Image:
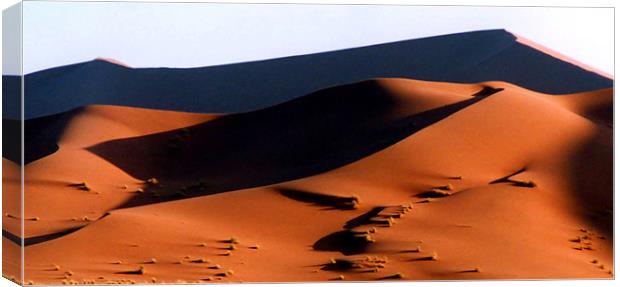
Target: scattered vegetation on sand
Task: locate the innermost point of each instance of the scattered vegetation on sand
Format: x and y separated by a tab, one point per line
231	240
426	200
354	239
226	253
404	209
388	222
365	264
519	183
365	237
431	257
473	270
225	274
459	177
398	275
418	249
527	183
444	187
340	202
255	246
216	266
201	260
365	218
32	218
434	193
152	261
140	271
81	186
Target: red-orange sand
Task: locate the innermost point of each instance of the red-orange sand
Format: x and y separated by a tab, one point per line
551	220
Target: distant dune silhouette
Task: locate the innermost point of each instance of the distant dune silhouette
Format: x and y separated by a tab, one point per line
466	58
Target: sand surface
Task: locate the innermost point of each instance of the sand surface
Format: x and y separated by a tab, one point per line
387	179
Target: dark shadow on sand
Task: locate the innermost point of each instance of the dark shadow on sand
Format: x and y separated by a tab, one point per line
300	138
37	239
41	136
365	218
344	241
337	202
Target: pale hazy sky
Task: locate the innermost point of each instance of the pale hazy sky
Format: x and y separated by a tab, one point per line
200	34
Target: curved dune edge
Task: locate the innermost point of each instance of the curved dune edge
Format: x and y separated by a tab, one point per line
112	61
505	230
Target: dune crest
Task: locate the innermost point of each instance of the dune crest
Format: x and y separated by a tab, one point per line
112	61
560	56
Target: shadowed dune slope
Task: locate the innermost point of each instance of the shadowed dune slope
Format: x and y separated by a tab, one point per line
466	57
324	130
306	136
551	218
49	181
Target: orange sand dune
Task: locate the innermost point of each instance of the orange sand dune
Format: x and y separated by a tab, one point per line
47	189
470	219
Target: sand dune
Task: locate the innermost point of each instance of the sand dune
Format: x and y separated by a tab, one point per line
385	179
